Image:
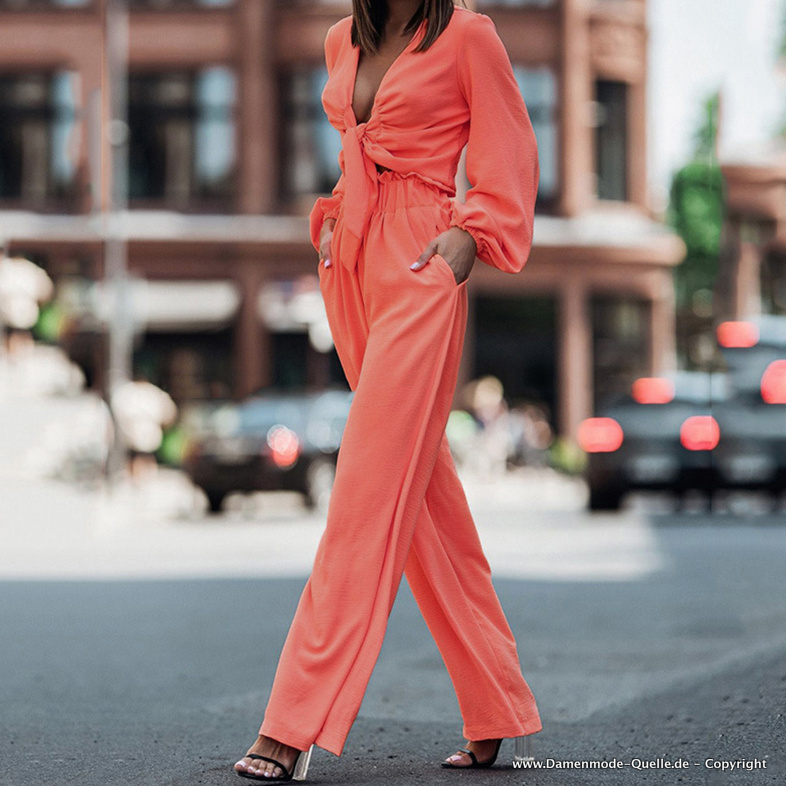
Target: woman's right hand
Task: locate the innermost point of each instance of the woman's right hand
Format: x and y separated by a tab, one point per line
325	236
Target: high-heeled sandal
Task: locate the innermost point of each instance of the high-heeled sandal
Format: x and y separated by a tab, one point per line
299	769
523	751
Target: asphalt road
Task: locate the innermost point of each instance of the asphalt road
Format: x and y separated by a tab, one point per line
138	638
163	681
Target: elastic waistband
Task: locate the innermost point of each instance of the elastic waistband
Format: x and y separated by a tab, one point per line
399	191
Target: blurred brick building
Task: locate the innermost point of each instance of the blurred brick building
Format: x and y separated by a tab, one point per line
229	146
752	274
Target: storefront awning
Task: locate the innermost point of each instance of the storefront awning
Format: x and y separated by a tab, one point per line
173	305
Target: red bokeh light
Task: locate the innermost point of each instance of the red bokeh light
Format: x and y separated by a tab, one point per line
600	435
700	432
284	446
737	335
653	390
773	383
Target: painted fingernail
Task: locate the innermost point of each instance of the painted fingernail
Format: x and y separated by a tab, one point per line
415	266
328	263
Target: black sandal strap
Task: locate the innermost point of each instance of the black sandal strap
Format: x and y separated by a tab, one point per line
286	775
470	753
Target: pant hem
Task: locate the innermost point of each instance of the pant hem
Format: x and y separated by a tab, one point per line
285	736
501	732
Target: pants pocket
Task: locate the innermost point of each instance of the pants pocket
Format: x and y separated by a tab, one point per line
442	263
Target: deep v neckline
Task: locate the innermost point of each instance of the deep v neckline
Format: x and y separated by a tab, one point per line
354	80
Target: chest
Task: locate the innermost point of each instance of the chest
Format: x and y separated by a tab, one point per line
370	73
398	89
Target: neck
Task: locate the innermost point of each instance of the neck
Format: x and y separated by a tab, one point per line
399	13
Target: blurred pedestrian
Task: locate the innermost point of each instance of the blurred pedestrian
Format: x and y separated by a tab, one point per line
142	411
23	286
494	439
532	435
410	83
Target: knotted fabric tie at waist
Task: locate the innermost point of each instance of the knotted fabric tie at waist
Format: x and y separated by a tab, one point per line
360	195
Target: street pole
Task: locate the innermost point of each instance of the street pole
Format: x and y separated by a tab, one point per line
120	318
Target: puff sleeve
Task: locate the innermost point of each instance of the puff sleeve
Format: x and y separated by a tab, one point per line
328	207
502	158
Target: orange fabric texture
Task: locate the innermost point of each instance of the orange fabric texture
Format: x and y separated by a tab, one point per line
397	504
420	122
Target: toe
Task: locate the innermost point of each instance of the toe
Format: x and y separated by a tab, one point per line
256	768
458	759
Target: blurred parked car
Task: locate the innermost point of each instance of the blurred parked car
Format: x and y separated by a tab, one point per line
751	453
696	430
661	436
271	441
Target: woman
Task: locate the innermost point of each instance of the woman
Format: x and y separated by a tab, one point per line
411	82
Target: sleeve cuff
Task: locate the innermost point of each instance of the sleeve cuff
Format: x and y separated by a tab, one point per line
457	220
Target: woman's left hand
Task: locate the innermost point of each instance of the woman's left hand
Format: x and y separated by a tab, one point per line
457	247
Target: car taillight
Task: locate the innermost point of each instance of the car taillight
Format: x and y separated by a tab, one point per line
284	446
700	432
652	390
773	383
737	335
600	435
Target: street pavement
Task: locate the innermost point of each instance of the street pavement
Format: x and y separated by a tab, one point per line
139	636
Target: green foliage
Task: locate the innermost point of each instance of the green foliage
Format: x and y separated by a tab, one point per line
706	136
696	210
51	322
567	457
696	213
173	446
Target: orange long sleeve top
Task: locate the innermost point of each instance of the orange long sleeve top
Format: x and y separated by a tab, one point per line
461	91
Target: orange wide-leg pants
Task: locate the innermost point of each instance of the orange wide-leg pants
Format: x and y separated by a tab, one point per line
397	504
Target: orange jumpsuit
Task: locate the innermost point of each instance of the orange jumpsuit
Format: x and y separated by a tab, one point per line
397	503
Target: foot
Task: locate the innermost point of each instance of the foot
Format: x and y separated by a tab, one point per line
483	750
265	746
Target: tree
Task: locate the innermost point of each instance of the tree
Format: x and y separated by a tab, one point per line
696	211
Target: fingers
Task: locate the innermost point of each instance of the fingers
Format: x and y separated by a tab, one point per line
326	235
423	259
324	250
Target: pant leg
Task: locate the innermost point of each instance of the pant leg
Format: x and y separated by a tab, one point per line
451	581
399	339
416	324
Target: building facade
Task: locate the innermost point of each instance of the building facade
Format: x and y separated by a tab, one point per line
752	275
228	147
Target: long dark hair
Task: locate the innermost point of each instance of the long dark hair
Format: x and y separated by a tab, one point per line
369	18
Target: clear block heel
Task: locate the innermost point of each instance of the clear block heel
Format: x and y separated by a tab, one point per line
301	765
524	750
523	755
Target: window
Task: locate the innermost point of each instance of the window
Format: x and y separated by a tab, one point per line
25	4
621	341
611	139
182	146
309	143
773	282
39	137
167	5
539	88
481	3
516	342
